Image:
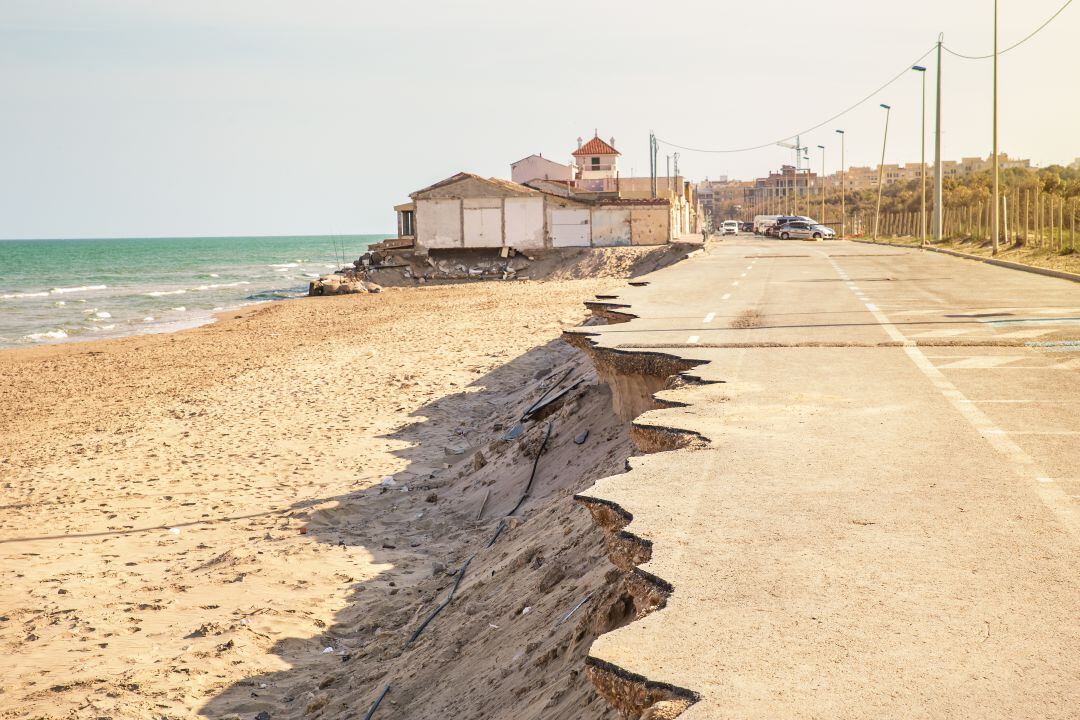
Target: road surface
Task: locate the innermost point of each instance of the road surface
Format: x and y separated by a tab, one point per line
885	520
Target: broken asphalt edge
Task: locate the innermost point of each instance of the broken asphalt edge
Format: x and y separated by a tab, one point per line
627	550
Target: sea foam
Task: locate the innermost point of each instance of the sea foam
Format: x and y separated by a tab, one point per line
80	288
50	335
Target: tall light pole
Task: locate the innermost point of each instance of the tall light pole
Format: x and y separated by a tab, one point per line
821	181
880	169
939	209
843	188
997	196
806	157
922	138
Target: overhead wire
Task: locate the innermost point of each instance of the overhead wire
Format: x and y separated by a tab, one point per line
866	99
1030	35
902	73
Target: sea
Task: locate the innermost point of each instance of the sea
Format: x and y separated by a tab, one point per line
54	291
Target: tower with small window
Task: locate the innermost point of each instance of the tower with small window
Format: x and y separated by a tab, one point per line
596	159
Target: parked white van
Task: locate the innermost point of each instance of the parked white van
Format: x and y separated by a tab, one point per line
730	227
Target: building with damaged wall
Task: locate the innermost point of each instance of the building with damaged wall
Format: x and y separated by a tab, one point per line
466	211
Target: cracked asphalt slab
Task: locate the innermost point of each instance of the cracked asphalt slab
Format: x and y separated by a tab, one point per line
884	519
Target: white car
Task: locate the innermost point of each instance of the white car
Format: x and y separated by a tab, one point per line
730	227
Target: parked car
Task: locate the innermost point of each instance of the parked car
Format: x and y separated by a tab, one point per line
774	231
729	227
803	230
781	220
747	227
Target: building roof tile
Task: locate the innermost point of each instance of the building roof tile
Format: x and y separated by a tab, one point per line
596	146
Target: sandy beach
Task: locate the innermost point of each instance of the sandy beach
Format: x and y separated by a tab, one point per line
199	525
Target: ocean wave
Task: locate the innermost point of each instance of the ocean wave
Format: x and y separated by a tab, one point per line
20	296
197	288
80	288
50	335
99	328
180	309
103	315
284	265
148	318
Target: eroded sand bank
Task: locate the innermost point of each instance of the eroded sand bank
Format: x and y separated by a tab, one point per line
192	524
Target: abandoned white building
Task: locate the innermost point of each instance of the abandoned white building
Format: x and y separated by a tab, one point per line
469	211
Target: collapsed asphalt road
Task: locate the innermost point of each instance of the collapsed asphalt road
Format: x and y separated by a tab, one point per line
879	517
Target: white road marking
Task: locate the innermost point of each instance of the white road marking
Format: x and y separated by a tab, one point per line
709	318
735	283
693	339
743	275
872	307
726	296
1022	463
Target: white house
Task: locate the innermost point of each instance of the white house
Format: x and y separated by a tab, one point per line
538	167
596	159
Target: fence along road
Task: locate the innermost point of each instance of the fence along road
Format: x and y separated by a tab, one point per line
885	520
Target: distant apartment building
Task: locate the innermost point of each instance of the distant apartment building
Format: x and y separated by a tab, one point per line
866	178
722	199
778	187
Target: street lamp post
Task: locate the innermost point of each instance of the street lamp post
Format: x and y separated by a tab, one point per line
939	204
997	190
922	138
821	181
843	188
880	169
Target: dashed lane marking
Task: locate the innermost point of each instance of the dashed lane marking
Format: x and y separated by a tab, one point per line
709	318
1022	464
726	296
693	339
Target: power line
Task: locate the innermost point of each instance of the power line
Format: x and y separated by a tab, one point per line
1032	34
839	115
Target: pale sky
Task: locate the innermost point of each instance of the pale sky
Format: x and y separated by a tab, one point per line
246	117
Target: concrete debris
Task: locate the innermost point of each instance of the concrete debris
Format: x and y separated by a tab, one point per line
341	285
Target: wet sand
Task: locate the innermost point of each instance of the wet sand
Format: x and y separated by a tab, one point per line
158	491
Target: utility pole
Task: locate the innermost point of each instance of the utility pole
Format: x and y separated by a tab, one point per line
922	139
667	181
880	169
997	197
652	171
843	188
821	181
939	210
